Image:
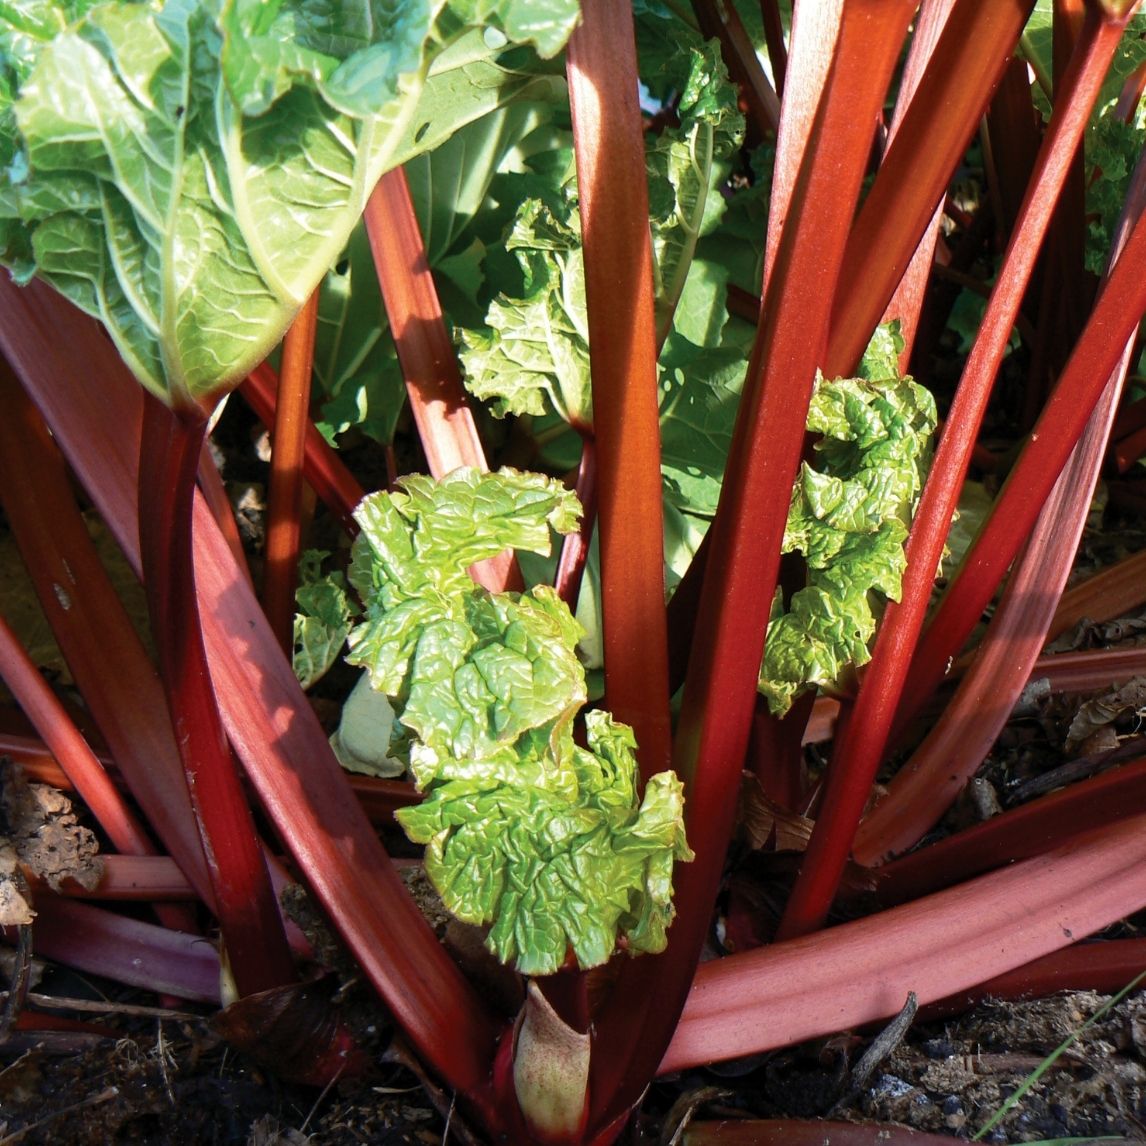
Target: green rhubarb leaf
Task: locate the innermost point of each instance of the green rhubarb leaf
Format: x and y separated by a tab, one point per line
482	683
409	563
532	356
849	515
535	354
430	532
323	620
552	870
659	32
688	165
881	358
480	71
189	171
700	390
525	831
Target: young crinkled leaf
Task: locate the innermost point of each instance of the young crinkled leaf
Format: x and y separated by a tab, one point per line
524	829
534	355
688	164
188	171
323	620
849	516
560	870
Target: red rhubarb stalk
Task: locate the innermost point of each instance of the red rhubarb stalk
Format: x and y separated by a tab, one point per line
433	382
285	488
100	942
612	192
244	901
935	946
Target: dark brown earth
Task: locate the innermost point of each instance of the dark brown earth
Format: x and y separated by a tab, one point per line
171	1080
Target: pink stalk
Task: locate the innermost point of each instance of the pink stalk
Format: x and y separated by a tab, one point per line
325	471
244	901
1026	831
744	554
944	763
907	302
129	951
285	489
143	878
433	382
1090	670
1120	305
612	191
947	943
284	748
860	750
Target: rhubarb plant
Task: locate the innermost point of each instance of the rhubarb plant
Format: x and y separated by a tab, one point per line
547	841
221	152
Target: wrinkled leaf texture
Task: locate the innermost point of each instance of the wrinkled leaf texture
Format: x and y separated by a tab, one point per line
323	620
849	517
533	355
524	829
188	171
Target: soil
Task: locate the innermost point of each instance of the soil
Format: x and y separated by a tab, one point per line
158	1080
